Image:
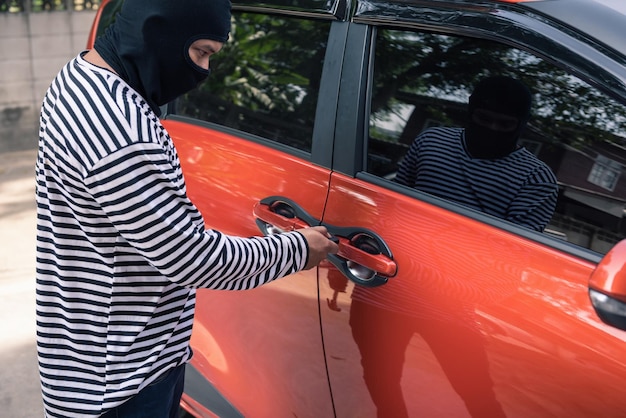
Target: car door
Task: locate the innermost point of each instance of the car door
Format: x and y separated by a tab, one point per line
253	142
259	127
480	317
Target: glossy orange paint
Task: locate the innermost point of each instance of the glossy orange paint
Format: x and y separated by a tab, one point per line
91	39
609	276
226	178
473	308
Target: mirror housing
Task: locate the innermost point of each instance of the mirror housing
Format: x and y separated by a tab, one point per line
607	287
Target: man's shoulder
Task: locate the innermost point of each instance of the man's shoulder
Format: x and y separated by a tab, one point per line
442	130
532	163
440	134
525	154
109	86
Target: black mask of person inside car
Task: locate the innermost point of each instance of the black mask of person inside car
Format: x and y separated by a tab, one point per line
488	136
148	44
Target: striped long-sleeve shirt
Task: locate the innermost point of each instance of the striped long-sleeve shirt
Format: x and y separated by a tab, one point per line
120	248
519	187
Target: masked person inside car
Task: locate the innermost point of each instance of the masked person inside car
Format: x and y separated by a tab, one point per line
483	166
120	247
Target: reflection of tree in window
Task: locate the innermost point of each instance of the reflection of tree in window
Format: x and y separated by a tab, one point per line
425	70
265	80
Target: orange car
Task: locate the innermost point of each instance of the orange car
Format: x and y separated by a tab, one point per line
430	309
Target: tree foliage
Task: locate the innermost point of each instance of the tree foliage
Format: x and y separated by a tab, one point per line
272	65
566	109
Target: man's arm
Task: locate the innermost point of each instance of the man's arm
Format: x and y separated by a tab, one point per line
137	189
535	202
407	168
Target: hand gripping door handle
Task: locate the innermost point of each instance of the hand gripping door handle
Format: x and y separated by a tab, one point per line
363	256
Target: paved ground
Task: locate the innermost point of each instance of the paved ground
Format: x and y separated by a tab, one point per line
19	381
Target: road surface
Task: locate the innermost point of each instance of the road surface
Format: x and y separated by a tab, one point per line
19	382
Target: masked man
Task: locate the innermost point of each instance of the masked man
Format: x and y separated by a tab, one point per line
120	247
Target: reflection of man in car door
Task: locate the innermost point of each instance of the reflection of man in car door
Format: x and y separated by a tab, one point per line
482	167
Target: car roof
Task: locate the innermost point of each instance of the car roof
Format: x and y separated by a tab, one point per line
592	19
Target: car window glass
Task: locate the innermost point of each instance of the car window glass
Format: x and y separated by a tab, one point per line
265	80
423	80
108	15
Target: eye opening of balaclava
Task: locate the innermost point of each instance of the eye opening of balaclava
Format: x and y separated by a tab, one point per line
500	95
202	72
148	44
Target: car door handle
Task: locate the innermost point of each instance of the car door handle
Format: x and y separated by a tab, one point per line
363	256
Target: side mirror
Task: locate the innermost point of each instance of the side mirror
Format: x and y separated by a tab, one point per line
607	287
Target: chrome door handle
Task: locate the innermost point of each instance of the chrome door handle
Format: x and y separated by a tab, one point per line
363	256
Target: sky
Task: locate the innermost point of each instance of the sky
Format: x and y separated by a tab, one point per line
619	5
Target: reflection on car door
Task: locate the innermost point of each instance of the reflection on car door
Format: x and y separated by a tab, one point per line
473	320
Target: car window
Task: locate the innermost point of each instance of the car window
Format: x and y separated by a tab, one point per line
423	80
265	80
108	15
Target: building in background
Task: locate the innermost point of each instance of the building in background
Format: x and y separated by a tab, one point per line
37	37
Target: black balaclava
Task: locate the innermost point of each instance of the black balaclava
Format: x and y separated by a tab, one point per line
502	95
148	44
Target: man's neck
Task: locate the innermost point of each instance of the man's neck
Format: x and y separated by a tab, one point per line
94	58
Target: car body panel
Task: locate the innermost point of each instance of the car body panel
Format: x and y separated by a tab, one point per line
580	14
226	177
524	301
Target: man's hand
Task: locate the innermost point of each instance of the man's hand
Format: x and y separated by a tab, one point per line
319	243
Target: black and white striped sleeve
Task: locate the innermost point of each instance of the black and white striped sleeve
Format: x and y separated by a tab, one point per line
137	189
534	204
